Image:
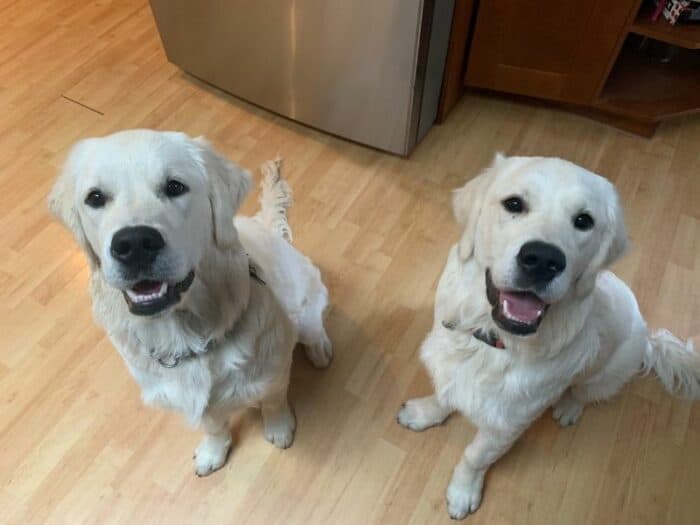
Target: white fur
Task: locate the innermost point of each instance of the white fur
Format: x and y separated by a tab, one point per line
241	331
591	341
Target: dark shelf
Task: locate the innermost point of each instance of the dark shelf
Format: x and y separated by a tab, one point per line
644	88
687	36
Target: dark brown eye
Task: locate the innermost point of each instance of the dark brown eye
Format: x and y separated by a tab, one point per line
583	222
96	199
514	205
174	188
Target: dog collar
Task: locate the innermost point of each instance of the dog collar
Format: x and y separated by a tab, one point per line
173	360
254	272
490	338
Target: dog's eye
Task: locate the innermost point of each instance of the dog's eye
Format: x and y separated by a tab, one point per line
174	188
96	199
514	205
583	222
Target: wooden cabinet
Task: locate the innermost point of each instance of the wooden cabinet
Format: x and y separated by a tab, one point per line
595	57
553	49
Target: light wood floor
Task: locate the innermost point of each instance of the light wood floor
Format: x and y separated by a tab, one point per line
76	445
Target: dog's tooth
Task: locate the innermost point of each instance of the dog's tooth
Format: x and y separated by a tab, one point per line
142	298
505	309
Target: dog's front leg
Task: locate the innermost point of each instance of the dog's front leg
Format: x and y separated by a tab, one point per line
465	488
212	451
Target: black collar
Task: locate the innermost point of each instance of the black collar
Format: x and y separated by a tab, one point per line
490	338
254	272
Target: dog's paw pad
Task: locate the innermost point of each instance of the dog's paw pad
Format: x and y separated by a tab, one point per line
320	354
567	411
210	455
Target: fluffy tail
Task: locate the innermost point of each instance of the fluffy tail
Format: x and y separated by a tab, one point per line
675	362
275	199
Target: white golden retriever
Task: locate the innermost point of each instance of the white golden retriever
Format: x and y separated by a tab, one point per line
205	310
526	318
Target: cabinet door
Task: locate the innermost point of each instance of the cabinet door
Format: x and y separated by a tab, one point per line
553	49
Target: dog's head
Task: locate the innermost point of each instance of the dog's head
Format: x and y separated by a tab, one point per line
542	229
145	206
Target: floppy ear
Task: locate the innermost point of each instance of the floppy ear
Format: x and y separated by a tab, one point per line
62	200
228	187
467	202
612	247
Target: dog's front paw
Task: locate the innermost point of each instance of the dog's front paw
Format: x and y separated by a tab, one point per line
211	454
279	430
409	416
421	413
567	410
321	353
464	497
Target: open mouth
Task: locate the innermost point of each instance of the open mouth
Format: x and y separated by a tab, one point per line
148	297
517	312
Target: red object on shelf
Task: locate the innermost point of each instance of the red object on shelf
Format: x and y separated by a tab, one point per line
659	9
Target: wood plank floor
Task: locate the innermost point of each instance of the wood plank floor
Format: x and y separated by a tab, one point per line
76	445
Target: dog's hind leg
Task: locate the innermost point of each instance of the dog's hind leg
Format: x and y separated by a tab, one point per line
312	332
212	451
624	363
278	419
568	409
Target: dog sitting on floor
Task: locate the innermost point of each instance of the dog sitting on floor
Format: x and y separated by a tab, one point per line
204	310
526	317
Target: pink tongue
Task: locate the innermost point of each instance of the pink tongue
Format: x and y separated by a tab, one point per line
522	307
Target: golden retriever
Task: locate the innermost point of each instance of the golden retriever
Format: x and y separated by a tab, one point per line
204	310
527	318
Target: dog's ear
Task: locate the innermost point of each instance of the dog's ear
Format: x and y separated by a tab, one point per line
228	187
62	200
467	202
612	247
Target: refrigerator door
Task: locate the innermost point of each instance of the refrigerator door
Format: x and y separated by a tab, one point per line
348	67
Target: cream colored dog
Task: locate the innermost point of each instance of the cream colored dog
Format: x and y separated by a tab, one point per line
204	310
526	318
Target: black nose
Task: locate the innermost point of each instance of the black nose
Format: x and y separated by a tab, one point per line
540	262
136	245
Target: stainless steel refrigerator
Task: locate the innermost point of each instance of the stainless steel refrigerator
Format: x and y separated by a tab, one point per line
366	70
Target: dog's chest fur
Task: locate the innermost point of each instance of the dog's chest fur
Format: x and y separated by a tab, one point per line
235	371
493	387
